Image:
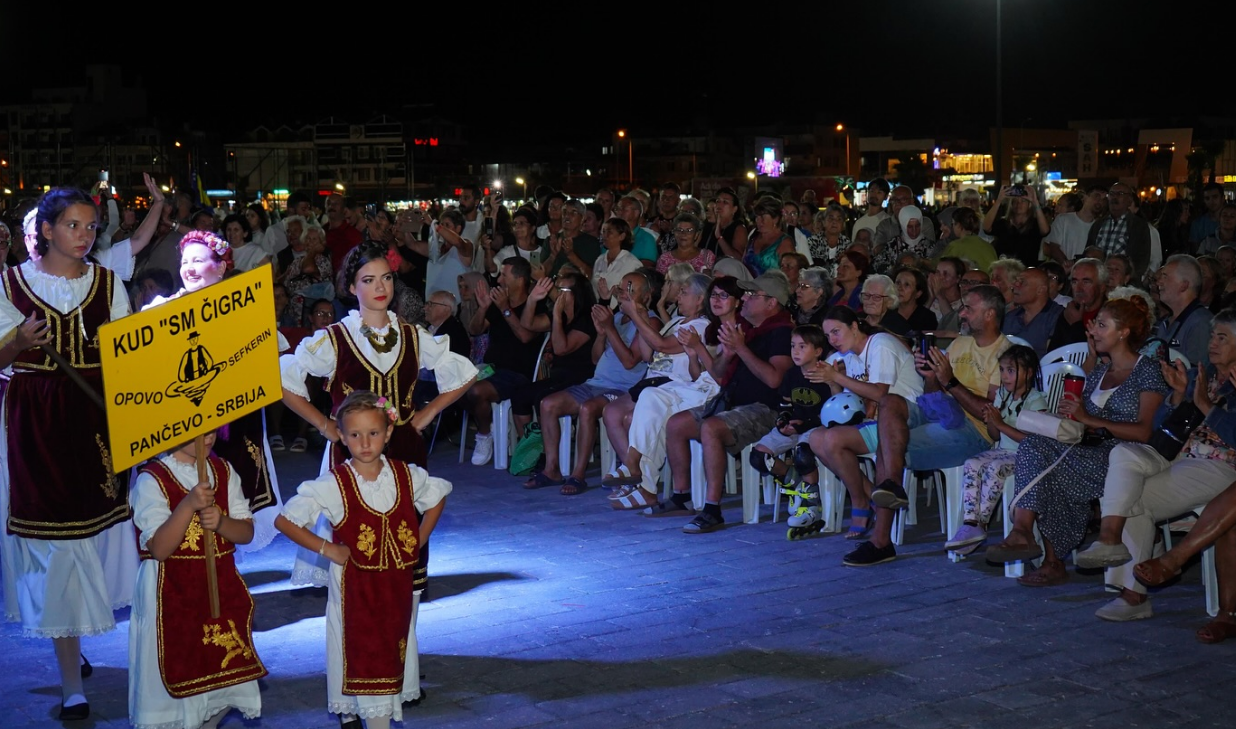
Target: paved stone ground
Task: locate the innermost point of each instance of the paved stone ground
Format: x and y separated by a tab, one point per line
554	611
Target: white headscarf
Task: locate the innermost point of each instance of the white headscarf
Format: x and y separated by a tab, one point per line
907	214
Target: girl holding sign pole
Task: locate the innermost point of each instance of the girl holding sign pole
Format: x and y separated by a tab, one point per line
204	259
382	510
59	507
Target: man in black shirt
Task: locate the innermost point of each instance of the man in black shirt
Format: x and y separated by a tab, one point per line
747	406
512	352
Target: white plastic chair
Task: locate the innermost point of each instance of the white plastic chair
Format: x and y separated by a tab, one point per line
752	483
1053	381
1210	577
1075	353
503	427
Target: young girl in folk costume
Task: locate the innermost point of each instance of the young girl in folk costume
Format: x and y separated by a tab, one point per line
371	349
187	669
62	496
983	476
372	504
204	260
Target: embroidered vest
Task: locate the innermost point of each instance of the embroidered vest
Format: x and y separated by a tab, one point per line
376	584
354	372
198	653
60	468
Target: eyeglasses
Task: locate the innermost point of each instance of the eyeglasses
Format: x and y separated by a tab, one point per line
719	295
805	286
684	231
872	297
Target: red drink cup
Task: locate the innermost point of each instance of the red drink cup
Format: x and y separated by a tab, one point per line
1073	386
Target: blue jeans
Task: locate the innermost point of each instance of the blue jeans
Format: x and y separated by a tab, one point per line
932	447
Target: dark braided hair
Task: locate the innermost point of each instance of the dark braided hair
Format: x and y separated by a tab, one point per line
52	206
359	257
1024	359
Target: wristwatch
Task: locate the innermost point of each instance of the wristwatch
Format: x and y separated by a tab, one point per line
953	382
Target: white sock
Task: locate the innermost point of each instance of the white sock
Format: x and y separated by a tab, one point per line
378	722
68	660
213	721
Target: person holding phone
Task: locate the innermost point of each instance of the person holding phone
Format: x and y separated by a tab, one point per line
1019	234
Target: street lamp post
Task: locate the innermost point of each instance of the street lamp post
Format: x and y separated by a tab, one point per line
841	128
523	182
756	179
622	134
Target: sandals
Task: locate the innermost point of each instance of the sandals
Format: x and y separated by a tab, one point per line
622	478
636	499
857	532
276	443
300	445
1217	631
1006	552
573	486
1044	577
1152	573
670	508
539	481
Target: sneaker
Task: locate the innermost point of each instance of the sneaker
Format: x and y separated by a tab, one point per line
703	523
965	536
1099	556
300	445
868	554
276	444
484	449
1119	611
890	495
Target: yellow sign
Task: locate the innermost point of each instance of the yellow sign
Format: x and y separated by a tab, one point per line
189	366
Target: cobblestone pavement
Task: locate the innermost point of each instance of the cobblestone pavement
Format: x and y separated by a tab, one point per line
547	610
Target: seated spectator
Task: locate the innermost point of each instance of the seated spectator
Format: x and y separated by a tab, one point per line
441	320
745	411
571	336
291	228
829	240
675	277
513	346
727	236
1057	282
944	286
1212	281
910	313
1188	329
1119	270
644	247
791	265
616	261
968	373
1088	282
571	245
525	244
969	244
1019	234
687	231
811	295
1224	235
874	364
853	268
308	274
889	234
1003	273
619	365
1067	238
1118	404
798	416
733	268
677	379
879	297
151	283
246	255
1214	527
983	476
1034	316
1143	488
765	246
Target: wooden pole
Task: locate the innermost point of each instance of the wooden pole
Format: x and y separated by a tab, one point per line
212	578
74	375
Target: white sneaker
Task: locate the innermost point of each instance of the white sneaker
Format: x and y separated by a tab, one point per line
484	449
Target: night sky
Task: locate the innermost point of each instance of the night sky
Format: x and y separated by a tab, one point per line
910	67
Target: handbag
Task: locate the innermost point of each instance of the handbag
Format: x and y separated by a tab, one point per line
529	452
1050	425
1172	435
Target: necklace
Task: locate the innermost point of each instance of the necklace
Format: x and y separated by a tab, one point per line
380	343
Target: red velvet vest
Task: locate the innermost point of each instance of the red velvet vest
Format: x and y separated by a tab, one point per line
60	468
376	603
198	653
354	372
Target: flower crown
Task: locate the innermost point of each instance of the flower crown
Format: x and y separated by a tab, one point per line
388	407
216	244
393	259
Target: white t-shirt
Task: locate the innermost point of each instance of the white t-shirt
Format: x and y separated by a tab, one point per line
247	257
677	367
885	360
869	222
1069	232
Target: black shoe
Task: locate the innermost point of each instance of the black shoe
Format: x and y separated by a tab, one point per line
417	701
87	669
868	554
352	724
890	495
77	712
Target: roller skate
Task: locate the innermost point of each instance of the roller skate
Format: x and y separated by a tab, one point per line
804	509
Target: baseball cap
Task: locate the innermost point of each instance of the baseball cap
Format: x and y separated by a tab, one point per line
775	286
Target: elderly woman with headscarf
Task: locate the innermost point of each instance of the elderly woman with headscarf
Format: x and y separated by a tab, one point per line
913	240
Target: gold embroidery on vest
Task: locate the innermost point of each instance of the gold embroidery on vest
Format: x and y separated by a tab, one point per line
315	345
365	542
403	649
406	537
109	483
229	641
347	389
193	534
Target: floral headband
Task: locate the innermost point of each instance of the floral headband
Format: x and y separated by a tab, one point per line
388	407
393	259
217	245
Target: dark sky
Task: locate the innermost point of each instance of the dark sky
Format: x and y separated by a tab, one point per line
906	66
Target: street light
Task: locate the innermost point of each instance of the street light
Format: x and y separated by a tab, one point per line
339	186
521	181
841	128
755	178
622	134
